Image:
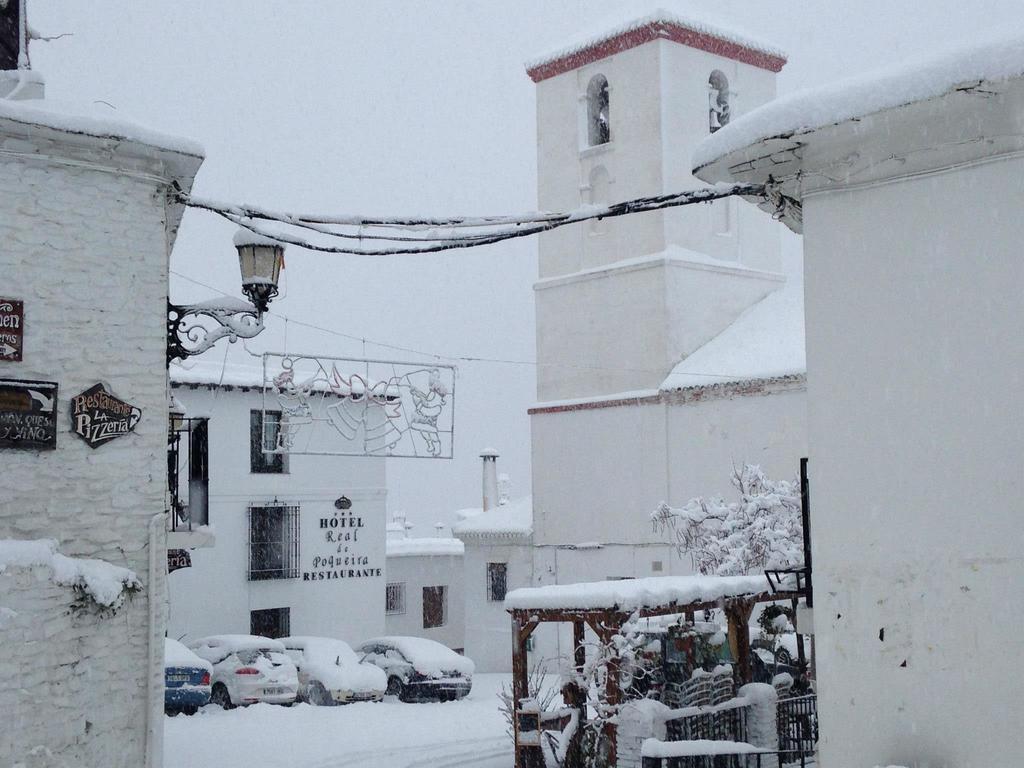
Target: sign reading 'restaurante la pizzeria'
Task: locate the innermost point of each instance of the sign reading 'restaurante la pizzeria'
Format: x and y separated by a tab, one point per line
98	417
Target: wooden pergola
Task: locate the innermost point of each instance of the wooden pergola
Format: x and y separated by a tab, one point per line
532	607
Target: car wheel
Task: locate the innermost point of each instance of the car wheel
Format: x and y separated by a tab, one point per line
395	687
220	696
318	696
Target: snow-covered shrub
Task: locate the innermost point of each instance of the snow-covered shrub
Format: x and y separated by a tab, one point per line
762	530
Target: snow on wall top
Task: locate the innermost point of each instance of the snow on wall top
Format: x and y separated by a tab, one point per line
688	30
91	120
428	546
512	519
633	594
813	108
766	341
102	581
212	372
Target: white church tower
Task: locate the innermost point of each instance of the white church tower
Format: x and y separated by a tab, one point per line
634	312
621	301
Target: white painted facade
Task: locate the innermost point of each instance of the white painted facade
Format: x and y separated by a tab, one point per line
621	303
916	366
427	563
343	598
86	228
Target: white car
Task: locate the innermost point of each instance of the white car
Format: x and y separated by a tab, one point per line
331	673
248	669
419	669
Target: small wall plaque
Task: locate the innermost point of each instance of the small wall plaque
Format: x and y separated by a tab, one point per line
28	414
98	417
12	330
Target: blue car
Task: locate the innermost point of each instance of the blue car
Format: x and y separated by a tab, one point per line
186	679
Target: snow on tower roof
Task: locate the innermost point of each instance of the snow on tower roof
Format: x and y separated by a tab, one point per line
511	520
634	594
688	30
807	110
766	341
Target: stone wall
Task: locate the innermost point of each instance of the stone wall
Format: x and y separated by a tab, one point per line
85	246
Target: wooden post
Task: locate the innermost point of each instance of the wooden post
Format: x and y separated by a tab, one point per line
738	611
613	693
575	696
522	628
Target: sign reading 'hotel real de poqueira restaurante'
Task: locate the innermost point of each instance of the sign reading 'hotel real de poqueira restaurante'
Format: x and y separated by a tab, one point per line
338	552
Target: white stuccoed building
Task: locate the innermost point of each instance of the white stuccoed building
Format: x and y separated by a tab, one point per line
425	585
299	538
87	224
910	187
669	344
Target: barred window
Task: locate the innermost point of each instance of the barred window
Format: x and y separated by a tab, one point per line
497	581
273	542
263	436
435	607
394	599
271	622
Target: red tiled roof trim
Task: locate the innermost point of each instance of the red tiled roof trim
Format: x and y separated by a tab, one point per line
653	31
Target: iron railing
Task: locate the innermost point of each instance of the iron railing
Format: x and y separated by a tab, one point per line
716	724
798	724
769	759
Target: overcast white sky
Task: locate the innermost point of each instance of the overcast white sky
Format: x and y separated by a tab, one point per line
393	107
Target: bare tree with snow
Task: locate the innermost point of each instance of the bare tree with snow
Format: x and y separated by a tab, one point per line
762	530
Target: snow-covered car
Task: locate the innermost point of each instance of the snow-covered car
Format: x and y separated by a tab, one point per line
419	669
186	679
331	673
248	669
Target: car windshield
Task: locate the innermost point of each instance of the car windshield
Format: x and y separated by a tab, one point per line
250	656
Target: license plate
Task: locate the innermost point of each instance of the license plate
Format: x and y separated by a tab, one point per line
273	691
178	678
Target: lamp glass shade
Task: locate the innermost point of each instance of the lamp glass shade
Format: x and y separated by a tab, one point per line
261	268
177	415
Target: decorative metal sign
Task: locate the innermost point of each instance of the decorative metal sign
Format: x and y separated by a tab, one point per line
351	407
178	558
98	417
12	330
28	414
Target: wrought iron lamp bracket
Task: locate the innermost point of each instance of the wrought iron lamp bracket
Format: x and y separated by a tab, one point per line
187	336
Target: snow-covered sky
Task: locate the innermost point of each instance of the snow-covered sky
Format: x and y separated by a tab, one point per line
392	107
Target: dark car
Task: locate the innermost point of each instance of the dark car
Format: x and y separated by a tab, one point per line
186	679
419	669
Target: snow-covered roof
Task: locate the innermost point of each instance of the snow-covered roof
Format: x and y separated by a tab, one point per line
766	341
425	547
633	594
689	29
95	121
851	98
104	582
216	373
511	520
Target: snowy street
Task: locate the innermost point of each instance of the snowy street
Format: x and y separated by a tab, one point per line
386	735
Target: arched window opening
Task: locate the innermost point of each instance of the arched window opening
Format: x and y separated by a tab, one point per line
718	100
598	125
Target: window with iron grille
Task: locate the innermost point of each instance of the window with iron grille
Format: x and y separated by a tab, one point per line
394	599
435	607
271	622
273	542
263	436
497	581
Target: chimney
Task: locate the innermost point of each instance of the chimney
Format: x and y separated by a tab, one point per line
490	478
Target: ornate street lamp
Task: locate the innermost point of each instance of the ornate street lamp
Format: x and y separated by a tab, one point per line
260	260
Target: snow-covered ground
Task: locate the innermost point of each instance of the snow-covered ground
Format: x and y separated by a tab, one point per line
391	734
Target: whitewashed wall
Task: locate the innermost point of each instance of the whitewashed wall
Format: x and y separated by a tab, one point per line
916	367
86	247
488	625
215	595
417	572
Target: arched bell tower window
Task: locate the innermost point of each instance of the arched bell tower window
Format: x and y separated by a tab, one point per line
598	125
718	100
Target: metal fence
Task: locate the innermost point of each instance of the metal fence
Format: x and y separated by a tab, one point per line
727	724
772	759
798	724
